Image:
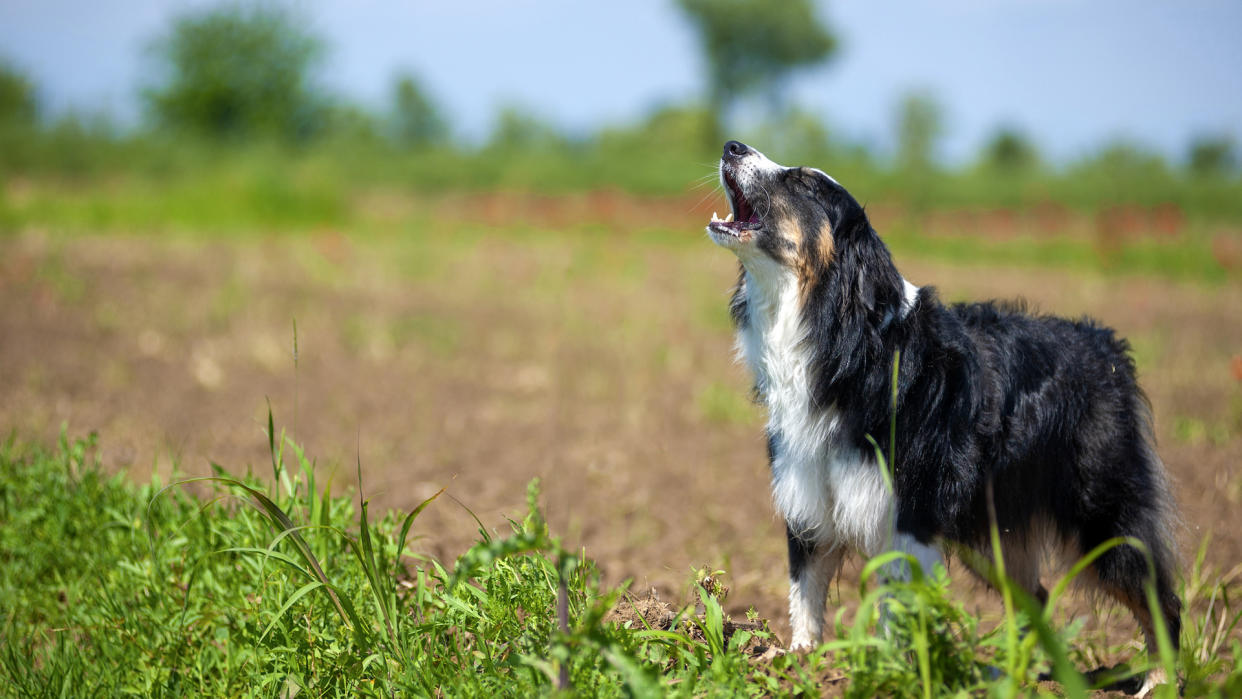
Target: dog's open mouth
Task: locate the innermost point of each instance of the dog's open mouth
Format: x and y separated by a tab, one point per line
739	222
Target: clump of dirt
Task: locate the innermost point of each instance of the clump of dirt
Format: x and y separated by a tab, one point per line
642	612
649	611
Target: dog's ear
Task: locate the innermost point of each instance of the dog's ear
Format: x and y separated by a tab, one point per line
865	290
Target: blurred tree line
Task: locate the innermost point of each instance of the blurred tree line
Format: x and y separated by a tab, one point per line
236	80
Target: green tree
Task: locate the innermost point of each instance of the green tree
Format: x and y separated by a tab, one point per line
1010	151
1212	156
1125	159
754	45
416	121
238	71
920	124
18	105
518	129
798	135
351	124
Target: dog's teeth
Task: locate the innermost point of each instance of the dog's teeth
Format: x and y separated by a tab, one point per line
715	217
729	217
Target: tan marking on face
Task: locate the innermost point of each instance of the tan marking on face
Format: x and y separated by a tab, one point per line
810	261
826	243
793	252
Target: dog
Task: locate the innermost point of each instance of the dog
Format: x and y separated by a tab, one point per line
1030	422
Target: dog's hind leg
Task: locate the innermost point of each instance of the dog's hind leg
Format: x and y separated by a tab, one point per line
812	566
1141	509
1123	574
927	555
1022	564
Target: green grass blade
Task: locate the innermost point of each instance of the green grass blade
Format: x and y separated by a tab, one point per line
482	529
1080	566
282	522
271	443
370	566
275	555
293	599
712	624
892	425
1013	646
876	563
1072	681
409	522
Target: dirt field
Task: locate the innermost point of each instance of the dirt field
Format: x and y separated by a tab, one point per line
482	355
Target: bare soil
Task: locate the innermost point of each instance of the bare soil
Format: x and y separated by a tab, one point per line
479	357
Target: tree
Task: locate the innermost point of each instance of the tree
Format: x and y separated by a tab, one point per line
518	129
1212	156
238	72
1125	159
753	45
1010	151
18	105
920	124
416	120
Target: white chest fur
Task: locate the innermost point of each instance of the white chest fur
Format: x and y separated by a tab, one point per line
827	491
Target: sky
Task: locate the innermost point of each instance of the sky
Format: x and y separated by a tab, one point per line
1072	74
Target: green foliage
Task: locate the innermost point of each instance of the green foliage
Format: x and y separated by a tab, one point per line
113	589
751	45
518	130
416	121
351	126
1009	151
1212	156
919	125
929	644
238	71
18	106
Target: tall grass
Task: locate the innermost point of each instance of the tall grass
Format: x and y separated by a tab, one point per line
283	588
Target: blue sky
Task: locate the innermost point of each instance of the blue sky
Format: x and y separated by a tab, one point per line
1071	73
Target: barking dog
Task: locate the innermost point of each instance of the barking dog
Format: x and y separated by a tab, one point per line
1041	413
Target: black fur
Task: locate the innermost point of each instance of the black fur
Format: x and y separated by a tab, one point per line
1047	410
800	551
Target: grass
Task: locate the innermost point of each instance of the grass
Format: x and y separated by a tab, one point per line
229	587
246	206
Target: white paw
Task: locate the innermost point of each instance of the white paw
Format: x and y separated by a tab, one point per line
1155	678
802	643
771	654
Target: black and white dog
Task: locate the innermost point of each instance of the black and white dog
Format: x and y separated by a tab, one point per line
1046	410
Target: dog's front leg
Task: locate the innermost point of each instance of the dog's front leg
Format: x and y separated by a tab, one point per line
812	565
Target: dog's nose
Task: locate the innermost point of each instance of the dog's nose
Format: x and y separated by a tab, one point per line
736	149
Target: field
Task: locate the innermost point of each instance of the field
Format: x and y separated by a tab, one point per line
477	341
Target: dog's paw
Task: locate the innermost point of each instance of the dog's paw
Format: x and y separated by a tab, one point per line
772	653
801	646
1155	678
